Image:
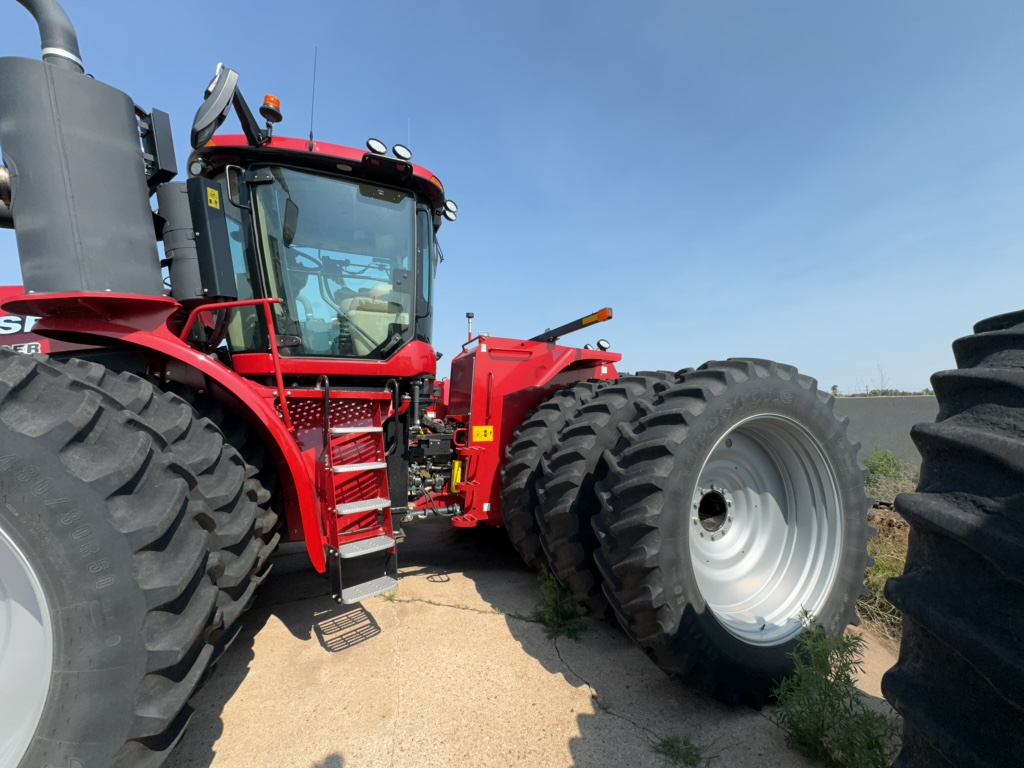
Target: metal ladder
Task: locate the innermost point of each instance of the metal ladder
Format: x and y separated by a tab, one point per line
356	503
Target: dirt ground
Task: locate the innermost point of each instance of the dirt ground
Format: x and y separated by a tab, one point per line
451	672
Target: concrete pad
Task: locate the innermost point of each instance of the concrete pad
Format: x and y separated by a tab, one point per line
449	672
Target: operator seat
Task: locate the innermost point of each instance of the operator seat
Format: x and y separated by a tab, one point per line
374	313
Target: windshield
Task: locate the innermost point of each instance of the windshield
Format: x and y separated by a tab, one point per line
340	256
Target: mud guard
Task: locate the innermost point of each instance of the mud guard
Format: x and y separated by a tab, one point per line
141	322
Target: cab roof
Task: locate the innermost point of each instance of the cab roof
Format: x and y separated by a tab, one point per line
322	156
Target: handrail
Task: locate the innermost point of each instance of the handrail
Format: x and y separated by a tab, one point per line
324	383
328	504
274	353
194	314
480	337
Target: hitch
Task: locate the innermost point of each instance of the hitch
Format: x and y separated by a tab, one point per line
596	317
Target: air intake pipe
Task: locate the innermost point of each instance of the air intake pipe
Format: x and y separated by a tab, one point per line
78	194
57	34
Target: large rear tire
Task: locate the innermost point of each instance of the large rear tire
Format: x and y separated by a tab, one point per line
571	468
260	467
959	680
522	472
242	536
731	507
104	567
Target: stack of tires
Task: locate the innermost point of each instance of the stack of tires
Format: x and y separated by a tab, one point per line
132	536
707	510
959	680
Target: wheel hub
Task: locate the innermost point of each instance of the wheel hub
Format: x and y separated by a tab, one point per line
713	508
26	651
765	537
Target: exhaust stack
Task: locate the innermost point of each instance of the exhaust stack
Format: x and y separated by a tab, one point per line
57	34
78	193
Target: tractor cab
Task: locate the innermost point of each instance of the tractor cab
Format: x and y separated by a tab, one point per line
352	261
344	239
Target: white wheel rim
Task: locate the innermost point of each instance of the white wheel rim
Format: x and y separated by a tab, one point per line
26	651
765	533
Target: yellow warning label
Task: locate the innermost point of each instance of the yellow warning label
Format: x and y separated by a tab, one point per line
483	434
456	476
213	198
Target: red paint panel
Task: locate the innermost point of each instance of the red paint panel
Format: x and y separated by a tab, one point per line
496	384
414	359
16	330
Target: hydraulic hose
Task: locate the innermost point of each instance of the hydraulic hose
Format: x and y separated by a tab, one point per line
57	34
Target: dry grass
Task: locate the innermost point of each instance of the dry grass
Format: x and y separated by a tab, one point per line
889	549
888	476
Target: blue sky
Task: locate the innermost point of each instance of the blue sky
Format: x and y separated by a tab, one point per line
836	186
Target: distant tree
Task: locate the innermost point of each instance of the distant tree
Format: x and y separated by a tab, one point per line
882	385
835	390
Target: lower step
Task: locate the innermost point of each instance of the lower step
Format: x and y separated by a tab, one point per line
368	589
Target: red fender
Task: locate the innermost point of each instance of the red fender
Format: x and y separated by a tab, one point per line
107	319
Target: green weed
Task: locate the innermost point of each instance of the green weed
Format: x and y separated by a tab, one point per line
822	713
556	611
682	751
888	476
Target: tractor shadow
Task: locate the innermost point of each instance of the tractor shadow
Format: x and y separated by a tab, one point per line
623	704
618	705
634	706
297	598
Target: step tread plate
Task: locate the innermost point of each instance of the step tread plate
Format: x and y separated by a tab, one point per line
354	507
368	589
360	467
365	546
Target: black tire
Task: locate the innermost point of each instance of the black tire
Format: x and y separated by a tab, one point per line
226	483
102	515
570	469
521	472
260	469
779	456
959	680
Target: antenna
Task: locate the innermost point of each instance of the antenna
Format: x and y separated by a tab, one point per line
312	101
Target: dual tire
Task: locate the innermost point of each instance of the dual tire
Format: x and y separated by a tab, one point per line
724	505
129	545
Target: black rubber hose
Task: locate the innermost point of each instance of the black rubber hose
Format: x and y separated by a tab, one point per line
57	34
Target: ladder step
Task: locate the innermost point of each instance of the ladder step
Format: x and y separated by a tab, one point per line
360	467
368	589
354	430
365	547
369	505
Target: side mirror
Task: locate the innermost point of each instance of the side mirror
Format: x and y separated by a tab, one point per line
215	108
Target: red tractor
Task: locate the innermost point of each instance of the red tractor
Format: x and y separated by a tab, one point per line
272	379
